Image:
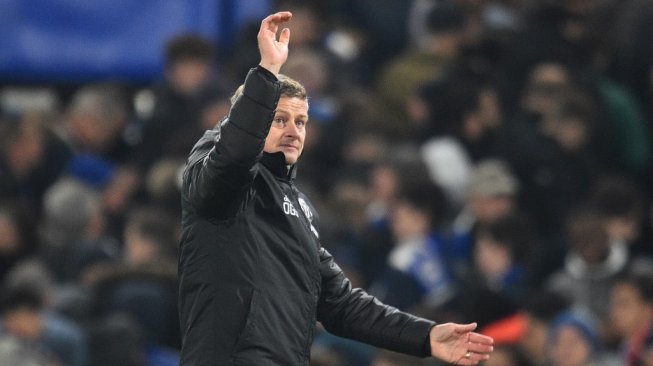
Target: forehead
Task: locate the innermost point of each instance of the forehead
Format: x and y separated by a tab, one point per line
293	105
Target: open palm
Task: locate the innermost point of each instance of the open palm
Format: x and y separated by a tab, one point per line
274	53
459	345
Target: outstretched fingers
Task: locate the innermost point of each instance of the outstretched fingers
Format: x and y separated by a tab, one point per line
284	37
271	22
478	348
480	338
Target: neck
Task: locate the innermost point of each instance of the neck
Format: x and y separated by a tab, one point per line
276	163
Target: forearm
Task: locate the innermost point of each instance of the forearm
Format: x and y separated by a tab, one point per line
354	314
223	162
242	136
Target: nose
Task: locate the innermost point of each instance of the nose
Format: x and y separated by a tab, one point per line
291	129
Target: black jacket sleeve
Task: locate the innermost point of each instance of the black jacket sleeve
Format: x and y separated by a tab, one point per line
222	165
354	314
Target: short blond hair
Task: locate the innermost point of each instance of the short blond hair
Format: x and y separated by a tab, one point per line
290	88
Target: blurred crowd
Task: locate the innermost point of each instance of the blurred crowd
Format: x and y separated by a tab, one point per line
471	160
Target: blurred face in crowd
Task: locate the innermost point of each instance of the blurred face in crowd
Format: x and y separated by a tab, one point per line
571	133
446	44
305	25
628	311
9	236
492	258
546	85
533	343
623	228
488	208
26	148
23	323
408	221
288	129
569	347
187	76
385	183
213	112
94	132
139	248
489	108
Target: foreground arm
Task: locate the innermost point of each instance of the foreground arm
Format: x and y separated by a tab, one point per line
354	314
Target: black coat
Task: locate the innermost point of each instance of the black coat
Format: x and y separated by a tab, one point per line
253	275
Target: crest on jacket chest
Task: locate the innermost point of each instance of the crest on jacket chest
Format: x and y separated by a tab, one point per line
290	210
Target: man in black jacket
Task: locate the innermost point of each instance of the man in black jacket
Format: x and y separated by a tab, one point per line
253	276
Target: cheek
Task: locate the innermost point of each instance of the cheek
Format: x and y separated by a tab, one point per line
302	138
272	139
268	147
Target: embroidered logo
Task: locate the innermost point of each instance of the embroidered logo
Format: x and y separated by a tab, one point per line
309	215
288	207
306	209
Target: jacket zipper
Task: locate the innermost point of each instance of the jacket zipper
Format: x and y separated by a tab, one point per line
307	227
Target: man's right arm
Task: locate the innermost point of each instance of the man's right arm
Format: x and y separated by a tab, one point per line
222	165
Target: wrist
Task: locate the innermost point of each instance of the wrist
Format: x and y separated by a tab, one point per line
273	68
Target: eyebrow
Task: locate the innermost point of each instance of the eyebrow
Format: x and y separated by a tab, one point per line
305	116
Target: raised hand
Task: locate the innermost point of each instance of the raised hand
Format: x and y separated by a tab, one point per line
459	345
274	52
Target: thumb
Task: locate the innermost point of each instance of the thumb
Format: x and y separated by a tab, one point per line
285	36
464	328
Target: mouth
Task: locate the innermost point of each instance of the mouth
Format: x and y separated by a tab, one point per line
288	146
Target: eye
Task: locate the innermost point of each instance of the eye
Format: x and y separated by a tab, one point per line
279	120
300	123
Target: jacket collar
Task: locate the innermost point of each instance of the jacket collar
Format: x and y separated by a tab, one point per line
276	163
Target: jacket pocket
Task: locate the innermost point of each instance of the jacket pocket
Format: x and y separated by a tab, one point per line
277	328
247	332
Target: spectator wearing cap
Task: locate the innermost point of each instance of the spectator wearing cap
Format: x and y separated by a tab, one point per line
73	229
94	122
491	194
573	341
539	311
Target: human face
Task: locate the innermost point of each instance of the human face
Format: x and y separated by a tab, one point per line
408	221
23	323
187	76
534	340
628	310
491	257
288	129
570	348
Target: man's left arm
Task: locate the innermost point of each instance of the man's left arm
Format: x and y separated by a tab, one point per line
352	313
